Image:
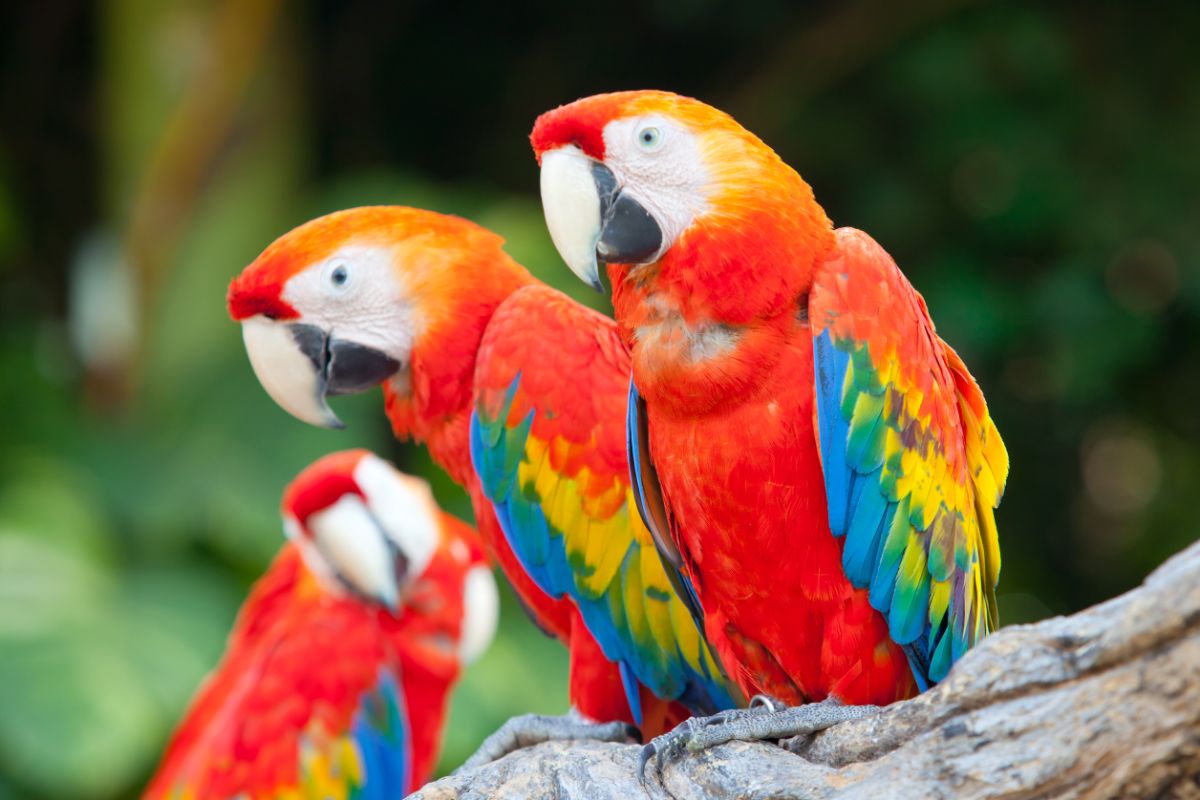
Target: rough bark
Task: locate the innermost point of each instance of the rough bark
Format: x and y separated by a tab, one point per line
1105	703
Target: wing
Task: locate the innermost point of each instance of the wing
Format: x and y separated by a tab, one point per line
913	464
652	509
548	444
280	714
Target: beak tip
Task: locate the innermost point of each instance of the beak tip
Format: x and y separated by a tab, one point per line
390	599
329	420
319	414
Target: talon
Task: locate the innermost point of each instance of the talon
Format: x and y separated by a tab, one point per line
767	702
648	752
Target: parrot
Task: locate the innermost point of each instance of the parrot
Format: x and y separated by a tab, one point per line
337	674
519	394
816	465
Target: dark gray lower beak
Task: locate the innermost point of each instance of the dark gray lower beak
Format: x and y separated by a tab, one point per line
628	233
344	367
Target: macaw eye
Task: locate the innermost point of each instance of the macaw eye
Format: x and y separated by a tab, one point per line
649	138
339	276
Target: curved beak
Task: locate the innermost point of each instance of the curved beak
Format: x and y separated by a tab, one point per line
591	218
355	547
300	365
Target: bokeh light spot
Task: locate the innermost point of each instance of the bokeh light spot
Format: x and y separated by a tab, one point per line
1122	470
984	182
1143	277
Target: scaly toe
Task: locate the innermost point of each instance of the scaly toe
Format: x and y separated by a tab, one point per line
531	729
783	723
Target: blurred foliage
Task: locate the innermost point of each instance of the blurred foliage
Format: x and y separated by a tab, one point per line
1034	170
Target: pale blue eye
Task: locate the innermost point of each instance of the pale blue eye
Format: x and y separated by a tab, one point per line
339	276
649	138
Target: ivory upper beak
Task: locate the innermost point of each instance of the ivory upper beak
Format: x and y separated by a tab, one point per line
571	203
289	376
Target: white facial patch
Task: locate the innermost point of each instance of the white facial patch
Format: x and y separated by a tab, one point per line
481	613
667	177
350	541
357	294
404	506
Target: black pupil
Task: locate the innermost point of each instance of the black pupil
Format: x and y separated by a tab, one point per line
647	137
339	276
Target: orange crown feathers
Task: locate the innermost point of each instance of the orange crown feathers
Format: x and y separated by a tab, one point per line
582	122
258	290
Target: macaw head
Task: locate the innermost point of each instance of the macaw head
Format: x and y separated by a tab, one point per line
368	531
350	300
364	528
647	177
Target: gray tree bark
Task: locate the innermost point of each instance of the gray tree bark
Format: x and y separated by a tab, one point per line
1104	703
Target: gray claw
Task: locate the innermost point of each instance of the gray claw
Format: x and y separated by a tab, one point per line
767	702
673	743
648	752
530	729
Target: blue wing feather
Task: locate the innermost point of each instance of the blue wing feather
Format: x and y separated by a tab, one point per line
831	366
630	682
871	516
381	734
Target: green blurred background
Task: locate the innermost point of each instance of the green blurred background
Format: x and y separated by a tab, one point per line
1035	170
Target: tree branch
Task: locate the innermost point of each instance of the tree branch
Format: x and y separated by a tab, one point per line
1105	703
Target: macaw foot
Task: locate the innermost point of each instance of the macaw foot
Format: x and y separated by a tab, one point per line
766	718
530	729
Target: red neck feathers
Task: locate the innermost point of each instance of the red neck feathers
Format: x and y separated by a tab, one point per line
709	318
458	284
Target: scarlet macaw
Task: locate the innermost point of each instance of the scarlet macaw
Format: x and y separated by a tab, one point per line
819	466
519	394
337	673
